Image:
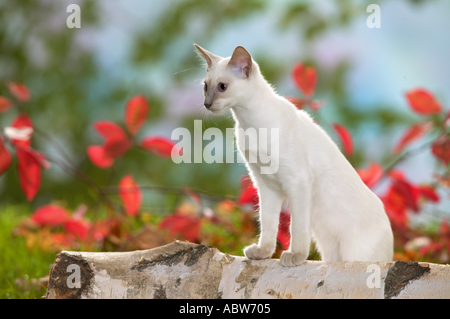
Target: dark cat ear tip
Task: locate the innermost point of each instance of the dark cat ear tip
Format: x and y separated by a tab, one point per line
197	46
240	47
201	50
241	51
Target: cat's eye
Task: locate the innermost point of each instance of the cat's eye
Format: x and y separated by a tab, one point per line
222	87
205	87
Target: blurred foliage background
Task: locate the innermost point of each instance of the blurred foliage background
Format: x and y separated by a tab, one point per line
124	48
130	47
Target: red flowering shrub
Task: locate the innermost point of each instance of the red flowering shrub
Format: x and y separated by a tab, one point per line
231	224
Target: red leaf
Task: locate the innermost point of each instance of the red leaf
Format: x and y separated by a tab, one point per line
249	196
441	149
109	130
19	91
397	175
345	137
245	182
423	102
429	193
38	157
50	215
413	133
77	227
285	220
29	172
433	247
371	175
116	142
444	230
160	146
62	239
98	158
115	147
284	240
130	195
395	208
400	197
317	104
299	103
284	236
20	122
186	226
136	113
5	157
305	79
408	193
102	229
5	104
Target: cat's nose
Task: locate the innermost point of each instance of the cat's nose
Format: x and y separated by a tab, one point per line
207	105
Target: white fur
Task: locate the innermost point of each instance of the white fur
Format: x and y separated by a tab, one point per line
327	199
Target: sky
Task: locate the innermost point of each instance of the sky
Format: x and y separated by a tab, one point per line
410	49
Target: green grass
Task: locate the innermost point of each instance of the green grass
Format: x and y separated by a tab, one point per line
18	265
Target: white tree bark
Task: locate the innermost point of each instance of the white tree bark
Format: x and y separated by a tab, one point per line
186	270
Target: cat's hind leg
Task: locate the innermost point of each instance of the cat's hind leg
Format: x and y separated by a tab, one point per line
299	197
329	252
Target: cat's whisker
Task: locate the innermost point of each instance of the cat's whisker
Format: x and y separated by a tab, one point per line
190	69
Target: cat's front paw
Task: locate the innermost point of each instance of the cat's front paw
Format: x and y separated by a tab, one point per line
256	252
290	259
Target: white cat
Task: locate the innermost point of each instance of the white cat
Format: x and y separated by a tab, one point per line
327	199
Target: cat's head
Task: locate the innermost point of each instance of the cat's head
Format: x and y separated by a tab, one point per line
227	79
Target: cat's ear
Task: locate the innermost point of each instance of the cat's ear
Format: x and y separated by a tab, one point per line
241	62
208	56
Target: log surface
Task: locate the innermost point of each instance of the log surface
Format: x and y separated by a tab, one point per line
186	270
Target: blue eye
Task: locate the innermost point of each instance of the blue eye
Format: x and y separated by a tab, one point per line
222	87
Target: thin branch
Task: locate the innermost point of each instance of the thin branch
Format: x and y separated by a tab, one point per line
83	177
406	155
173	190
55	143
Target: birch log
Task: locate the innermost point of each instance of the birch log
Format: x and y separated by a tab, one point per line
186	270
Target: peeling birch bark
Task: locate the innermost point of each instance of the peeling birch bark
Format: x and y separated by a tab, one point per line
186	270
